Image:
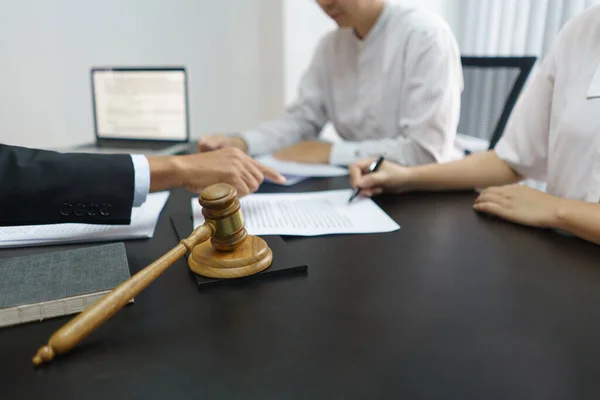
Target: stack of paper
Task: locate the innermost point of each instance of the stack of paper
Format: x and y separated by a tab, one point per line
309	214
297	172
143	223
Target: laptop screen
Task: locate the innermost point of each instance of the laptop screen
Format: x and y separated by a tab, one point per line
140	104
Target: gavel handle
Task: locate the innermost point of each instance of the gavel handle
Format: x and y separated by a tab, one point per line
91	318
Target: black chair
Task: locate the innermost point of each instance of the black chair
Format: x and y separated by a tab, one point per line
492	87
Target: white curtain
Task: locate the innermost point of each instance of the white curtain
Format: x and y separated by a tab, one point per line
514	27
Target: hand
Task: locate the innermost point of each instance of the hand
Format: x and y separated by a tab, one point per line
390	177
216	142
308	151
520	204
197	171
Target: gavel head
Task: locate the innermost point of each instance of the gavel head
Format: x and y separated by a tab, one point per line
221	207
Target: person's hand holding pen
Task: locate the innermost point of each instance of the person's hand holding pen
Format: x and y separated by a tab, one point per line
373	167
374	176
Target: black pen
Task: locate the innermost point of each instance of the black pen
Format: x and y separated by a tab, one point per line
374	167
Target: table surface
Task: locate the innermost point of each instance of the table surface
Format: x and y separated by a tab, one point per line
454	305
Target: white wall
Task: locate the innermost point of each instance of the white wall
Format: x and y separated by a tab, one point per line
48	47
450	10
304	25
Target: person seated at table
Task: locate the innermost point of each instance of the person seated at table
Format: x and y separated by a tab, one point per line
44	187
553	135
390	81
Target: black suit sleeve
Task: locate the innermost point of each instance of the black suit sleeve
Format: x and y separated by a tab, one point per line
45	187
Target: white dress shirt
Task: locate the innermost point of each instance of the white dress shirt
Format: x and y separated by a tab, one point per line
554	131
141	179
394	93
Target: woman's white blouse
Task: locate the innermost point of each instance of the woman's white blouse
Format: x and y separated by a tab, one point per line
554	132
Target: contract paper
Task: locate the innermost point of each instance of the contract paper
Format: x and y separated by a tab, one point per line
143	223
290	180
302	169
309	214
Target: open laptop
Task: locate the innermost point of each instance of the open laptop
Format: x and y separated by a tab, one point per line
139	110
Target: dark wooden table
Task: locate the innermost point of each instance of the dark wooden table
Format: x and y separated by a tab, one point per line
452	306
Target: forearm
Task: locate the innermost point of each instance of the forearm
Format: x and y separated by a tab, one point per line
164	173
476	171
579	218
275	135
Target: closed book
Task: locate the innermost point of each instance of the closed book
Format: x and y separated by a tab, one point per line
41	286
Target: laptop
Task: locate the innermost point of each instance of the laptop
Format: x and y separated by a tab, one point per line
139	110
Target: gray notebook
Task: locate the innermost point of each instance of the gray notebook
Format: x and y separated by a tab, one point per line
36	287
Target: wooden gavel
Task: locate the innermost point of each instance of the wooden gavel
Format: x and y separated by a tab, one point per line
231	253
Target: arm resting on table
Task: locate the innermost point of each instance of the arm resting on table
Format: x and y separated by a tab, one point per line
476	171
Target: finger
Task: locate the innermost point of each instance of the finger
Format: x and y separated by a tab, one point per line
241	187
252	181
377	191
493	209
355	175
253	169
216	142
371	192
371	180
271	174
206	144
490	196
365	193
497	190
204	147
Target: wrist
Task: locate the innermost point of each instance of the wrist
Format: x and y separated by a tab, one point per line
408	179
165	173
559	214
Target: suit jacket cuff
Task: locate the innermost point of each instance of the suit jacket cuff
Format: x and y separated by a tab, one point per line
142	179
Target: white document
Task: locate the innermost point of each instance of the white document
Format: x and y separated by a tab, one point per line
302	169
143	223
291	180
309	214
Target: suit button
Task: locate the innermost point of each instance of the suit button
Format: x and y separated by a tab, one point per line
93	210
105	210
79	210
66	209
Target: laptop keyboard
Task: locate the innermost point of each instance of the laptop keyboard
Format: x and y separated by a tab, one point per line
135	144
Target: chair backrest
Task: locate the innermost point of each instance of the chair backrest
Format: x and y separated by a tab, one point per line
492	87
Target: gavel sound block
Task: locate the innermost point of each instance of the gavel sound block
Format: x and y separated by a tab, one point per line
230	253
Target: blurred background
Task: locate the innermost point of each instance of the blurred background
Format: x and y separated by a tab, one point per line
244	57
